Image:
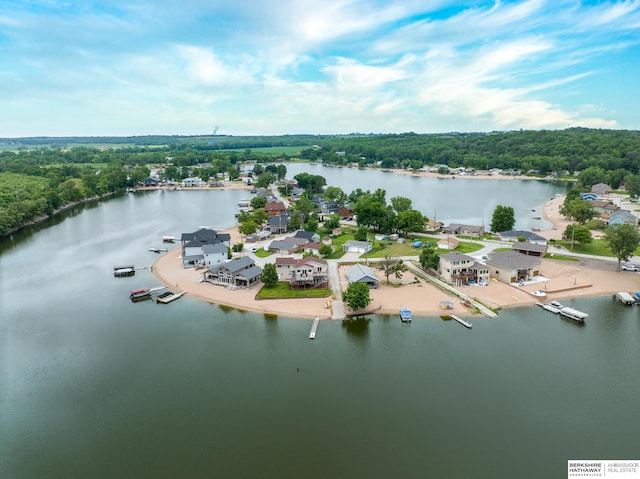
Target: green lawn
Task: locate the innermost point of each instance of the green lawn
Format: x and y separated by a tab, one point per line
283	290
261	253
597	247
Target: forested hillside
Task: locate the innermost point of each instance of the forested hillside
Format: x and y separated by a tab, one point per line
40	175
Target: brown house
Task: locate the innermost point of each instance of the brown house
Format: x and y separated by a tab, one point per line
274	208
530	249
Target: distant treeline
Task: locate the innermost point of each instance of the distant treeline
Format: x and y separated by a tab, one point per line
39	175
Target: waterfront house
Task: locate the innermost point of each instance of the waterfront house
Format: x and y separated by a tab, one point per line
241	272
432	226
512	267
359	273
622	217
353	246
284	267
278	224
601	189
193	243
275	208
461	269
463	230
310	272
604	207
193	181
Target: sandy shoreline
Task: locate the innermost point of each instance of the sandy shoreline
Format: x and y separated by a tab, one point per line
565	279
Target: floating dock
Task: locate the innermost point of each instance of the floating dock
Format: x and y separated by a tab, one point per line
128	270
574	314
466	324
314	328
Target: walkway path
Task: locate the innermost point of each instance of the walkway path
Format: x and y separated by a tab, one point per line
337	306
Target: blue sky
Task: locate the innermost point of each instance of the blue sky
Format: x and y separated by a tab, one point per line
137	67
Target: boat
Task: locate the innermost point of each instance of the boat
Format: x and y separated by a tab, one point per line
539	293
158	250
119	271
140	294
165	298
405	315
168	239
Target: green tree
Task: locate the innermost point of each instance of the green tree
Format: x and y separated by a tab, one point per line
591	176
503	219
394	266
325	250
258	202
269	275
400	204
577	234
623	241
361	234
632	184
332	223
247	228
357	296
429	259
265	179
409	220
577	209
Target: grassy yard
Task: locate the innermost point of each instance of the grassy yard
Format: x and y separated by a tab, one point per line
597	247
261	253
284	290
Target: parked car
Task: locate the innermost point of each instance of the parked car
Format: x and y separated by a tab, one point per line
630	267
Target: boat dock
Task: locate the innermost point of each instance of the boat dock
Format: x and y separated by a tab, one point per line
466	324
170	298
314	328
549	307
119	271
625	298
574	314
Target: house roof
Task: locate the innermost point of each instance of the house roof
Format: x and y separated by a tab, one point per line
515	234
528	246
458	227
287	260
359	273
282	245
216	248
234	265
512	260
252	272
357	244
449	241
313	245
309	260
279	220
304	234
205	236
274	206
623	215
455	256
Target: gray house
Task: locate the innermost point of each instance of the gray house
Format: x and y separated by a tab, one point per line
241	272
359	273
353	246
512	267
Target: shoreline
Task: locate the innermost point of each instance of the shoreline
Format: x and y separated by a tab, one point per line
565	279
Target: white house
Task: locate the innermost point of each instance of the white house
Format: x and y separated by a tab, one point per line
353	246
193	181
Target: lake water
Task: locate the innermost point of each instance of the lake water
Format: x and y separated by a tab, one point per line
92	385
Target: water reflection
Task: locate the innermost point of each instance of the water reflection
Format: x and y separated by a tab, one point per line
357	326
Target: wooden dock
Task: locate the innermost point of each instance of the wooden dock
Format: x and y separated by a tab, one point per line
314	328
466	324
